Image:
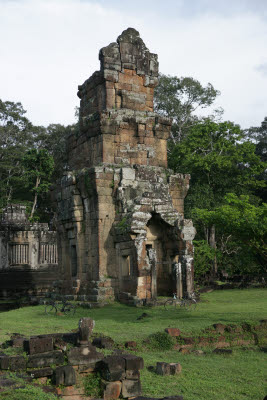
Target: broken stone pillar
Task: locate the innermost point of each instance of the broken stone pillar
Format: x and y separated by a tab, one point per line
86	326
119	204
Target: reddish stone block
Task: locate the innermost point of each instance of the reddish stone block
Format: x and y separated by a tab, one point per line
112	390
173	332
131	344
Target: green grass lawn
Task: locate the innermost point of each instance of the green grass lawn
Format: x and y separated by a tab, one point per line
205	377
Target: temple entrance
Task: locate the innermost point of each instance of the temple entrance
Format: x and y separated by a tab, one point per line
162	248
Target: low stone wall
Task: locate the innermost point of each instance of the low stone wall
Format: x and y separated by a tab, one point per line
221	336
66	358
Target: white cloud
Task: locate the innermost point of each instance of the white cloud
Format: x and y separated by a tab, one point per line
50	47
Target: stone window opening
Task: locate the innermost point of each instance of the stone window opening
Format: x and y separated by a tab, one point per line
19	253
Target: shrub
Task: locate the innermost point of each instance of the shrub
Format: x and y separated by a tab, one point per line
161	341
92	385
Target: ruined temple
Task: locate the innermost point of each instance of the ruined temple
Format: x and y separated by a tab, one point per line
121	225
28	255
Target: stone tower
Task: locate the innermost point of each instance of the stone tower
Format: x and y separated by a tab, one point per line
120	210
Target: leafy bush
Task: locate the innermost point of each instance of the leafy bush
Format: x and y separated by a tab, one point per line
92	385
161	341
204	255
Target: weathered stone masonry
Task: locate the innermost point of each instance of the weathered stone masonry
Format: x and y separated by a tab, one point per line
120	210
28	255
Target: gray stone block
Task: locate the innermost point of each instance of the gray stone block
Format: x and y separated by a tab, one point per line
131	388
65	376
45	359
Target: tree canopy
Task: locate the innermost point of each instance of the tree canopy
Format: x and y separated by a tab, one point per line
180	99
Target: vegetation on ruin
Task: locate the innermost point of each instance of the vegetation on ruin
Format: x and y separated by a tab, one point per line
210	376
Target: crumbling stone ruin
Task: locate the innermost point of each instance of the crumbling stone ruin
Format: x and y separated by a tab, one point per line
121	221
67	358
28	255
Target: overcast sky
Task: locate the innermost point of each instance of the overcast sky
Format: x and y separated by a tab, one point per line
49	47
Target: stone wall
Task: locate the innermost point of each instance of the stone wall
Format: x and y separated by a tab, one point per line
28	254
120	210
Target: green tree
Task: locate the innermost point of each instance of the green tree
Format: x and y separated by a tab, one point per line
181	99
258	135
242	230
16	135
220	161
39	166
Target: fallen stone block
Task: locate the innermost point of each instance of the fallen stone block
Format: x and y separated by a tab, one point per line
173	332
17	363
45	359
17	340
131	388
4	362
40	373
38	345
163	368
131	344
112	390
222	351
133	362
65	375
112	368
103	343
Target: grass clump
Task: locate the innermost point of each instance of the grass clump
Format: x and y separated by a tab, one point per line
161	341
20	390
27	393
92	385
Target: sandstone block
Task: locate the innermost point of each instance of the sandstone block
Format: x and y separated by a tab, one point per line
45	359
17	363
131	388
86	355
131	344
133	362
163	368
4	362
173	331
112	368
86	326
103	343
40	373
112	390
65	376
38	345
